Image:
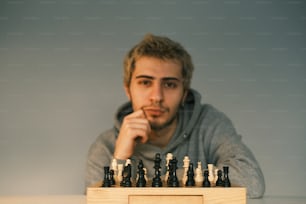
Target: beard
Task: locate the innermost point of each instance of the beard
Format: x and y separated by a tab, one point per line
156	126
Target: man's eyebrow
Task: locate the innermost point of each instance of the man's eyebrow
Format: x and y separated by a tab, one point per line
164	78
144	76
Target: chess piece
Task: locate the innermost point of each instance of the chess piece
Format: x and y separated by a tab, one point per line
120	173
111	177
168	158
157	182
126	177
226	181
141	181
206	182
215	175
173	180
219	181
106	180
190	176
199	174
186	162
114	167
210	173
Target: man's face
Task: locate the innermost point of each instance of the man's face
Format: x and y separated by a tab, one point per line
157	88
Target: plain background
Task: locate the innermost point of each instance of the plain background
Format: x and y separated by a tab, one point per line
61	81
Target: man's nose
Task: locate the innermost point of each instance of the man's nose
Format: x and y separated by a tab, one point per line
157	93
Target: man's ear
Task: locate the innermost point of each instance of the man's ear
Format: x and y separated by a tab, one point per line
184	96
127	92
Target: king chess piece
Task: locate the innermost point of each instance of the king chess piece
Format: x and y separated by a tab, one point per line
157	182
226	181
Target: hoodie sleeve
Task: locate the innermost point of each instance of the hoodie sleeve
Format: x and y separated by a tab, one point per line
99	155
227	149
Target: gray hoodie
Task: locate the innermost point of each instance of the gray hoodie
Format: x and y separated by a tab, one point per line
203	134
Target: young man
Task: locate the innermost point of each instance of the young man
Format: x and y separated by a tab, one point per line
164	115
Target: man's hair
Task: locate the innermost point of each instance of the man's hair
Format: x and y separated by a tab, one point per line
162	48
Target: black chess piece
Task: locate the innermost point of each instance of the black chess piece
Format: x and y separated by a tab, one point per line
173	180
111	177
106	180
206	182
157	182
226	181
219	181
141	182
127	173
190	176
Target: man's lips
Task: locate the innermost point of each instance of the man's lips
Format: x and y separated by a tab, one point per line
154	111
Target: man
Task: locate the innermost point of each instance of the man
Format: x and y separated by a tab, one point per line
164	115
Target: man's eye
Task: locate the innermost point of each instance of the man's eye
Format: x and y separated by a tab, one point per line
144	82
171	85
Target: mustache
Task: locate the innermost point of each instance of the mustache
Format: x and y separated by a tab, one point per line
154	106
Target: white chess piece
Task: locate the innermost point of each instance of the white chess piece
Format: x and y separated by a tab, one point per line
115	168
199	175
210	173
127	162
185	166
168	158
120	170
216	175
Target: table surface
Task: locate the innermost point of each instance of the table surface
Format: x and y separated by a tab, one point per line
81	199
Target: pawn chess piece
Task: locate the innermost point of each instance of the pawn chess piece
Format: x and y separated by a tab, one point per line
206	182
190	176
141	182
226	181
219	181
106	180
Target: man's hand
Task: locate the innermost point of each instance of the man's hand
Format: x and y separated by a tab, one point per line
135	128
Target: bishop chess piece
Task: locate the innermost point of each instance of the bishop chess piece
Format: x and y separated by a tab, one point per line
157	182
190	176
226	181
106	180
206	182
141	182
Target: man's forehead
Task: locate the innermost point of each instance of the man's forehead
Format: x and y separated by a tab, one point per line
148	66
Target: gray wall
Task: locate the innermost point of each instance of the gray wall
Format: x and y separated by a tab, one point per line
61	81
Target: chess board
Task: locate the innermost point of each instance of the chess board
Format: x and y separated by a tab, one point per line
166	195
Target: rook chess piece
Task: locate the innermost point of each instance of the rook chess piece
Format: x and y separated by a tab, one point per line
106	180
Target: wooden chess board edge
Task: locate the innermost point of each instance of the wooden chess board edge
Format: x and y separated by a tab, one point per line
118	195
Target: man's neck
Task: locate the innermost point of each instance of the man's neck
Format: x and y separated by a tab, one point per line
161	138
